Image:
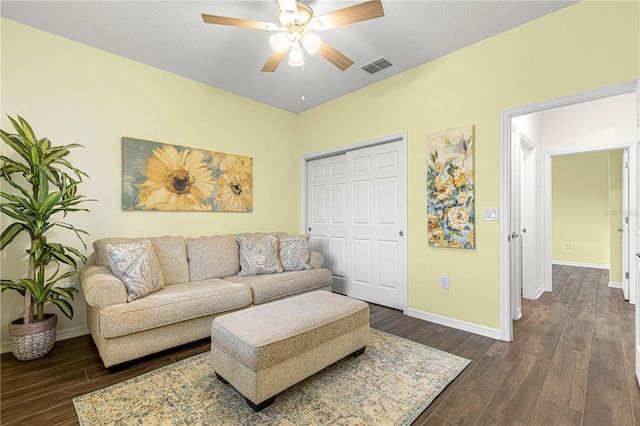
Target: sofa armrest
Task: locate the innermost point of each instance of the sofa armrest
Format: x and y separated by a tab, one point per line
316	260
101	288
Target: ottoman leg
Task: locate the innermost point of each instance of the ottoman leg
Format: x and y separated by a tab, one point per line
259	407
358	352
219	377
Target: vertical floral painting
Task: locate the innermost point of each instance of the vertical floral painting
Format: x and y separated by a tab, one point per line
159	176
450	190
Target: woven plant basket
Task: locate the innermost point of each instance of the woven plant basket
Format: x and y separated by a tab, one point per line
33	340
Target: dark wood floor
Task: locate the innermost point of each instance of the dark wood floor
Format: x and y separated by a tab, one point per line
571	363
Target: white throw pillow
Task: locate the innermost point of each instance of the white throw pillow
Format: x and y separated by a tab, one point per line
294	253
258	254
138	268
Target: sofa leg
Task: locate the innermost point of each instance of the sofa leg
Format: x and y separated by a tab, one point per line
259	407
219	377
358	352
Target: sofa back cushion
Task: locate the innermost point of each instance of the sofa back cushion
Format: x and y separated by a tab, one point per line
213	257
169	250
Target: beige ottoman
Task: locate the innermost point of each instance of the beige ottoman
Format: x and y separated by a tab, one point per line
265	349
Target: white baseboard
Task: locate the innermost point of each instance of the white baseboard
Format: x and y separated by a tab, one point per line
492	333
614	284
536	295
60	335
583	265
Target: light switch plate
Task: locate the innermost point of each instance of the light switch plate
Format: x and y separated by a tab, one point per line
491	213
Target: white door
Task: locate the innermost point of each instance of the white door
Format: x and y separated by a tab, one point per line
376	225
357	219
528	211
515	221
625	224
327	213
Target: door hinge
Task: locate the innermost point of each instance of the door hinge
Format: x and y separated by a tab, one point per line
626	164
626	275
626	220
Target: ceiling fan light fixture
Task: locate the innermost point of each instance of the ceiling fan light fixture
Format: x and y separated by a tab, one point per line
316	25
312	43
295	55
279	42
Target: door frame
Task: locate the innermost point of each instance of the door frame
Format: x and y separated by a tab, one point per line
506	202
304	159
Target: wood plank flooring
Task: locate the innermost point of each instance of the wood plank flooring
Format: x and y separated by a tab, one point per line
571	363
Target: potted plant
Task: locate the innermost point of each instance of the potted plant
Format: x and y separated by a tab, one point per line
44	190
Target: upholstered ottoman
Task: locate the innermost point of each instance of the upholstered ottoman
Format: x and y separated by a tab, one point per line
265	349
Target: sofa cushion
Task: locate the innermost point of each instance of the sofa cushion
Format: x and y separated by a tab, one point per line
135	264
170	251
213	257
258	254
274	286
294	253
172	304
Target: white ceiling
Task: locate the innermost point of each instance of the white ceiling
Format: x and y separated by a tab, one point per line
171	35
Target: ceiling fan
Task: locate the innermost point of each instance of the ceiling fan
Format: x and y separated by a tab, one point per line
295	20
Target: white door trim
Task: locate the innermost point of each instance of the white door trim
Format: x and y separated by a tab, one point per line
304	159
506	325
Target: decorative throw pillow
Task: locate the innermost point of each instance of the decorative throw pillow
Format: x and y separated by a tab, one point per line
294	253
136	265
258	254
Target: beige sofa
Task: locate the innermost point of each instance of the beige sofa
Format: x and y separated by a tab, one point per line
201	281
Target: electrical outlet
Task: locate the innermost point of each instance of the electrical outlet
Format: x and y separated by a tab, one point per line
567	246
444	282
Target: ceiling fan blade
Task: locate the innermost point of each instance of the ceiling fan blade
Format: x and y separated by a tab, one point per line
334	56
273	61
237	22
350	15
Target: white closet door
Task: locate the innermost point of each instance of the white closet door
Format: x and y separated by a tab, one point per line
357	220
376	224
327	214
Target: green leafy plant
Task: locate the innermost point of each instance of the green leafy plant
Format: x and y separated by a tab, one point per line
45	190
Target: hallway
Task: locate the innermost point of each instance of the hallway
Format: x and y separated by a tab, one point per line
571	362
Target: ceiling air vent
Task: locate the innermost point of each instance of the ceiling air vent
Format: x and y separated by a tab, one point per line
377	65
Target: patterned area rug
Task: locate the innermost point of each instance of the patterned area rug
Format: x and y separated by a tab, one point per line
390	384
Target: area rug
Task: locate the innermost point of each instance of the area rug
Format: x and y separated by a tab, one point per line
390	384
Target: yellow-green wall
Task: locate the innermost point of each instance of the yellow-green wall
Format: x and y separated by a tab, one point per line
74	93
584	46
586	206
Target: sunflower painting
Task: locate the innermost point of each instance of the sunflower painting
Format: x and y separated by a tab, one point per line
450	188
159	176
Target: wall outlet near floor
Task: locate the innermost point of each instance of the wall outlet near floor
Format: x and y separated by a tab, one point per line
567	246
444	282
